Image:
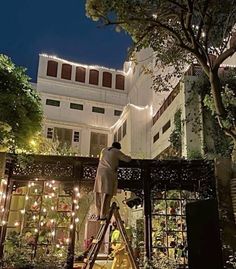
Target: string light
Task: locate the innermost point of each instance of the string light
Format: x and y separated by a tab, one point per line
77	220
82	65
71	226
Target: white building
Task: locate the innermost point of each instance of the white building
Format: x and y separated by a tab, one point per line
88	107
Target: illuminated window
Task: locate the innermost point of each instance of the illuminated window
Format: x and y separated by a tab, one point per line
98	141
80	74
93	77
120	82
51	102
52	68
106	79
66	71
63	135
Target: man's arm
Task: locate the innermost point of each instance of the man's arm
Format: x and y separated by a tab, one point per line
123	157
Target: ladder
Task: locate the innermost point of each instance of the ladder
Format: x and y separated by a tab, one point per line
97	242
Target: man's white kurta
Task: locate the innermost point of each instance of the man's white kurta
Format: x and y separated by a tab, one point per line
106	178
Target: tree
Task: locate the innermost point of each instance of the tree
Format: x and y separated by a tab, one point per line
20	107
179	31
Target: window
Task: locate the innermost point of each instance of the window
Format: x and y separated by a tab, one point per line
76	136
63	135
52	68
156	137
106	79
115	137
98	141
120	82
66	71
51	102
50	133
93	77
124	128
119	134
117	112
80	74
98	109
76	106
166	127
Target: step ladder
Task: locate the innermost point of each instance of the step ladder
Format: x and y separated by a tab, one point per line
97	242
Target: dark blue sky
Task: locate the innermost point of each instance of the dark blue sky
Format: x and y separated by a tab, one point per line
60	28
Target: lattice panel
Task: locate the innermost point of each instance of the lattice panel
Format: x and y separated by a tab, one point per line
58	170
34	170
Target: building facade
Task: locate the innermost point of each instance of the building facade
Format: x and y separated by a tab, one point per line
89	107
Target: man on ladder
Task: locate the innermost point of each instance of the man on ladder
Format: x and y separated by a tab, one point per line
106	182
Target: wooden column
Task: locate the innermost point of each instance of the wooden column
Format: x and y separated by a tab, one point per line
223	171
147	210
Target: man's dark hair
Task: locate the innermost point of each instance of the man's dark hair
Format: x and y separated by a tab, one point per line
116	145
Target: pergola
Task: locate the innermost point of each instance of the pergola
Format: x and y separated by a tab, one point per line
143	177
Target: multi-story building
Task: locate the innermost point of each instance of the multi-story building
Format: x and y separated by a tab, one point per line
87	107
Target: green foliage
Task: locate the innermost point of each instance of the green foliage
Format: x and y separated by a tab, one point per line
45	146
170	28
20	106
176	135
178	32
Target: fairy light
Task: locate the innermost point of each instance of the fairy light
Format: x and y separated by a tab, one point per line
53	182
77	207
26	197
53	233
36	179
82	65
78	194
72	214
57	245
16	223
77	220
34	217
76	189
71	226
44	210
22	211
67	240
4	182
75	201
35	203
41	223
4	222
52	208
36	230
36	190
3	209
52	220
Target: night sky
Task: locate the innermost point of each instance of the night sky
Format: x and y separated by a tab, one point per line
59	28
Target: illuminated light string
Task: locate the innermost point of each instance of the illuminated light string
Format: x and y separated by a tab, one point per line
120	121
52	221
54	57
